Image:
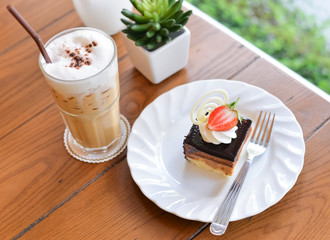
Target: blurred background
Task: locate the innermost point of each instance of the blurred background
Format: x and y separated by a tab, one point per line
295	32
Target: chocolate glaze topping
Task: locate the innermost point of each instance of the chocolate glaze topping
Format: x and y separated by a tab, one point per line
225	151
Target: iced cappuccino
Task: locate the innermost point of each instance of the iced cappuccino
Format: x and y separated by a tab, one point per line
83	78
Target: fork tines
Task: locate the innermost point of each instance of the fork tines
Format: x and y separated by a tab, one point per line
264	128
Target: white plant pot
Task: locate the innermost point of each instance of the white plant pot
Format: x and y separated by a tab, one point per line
102	14
161	63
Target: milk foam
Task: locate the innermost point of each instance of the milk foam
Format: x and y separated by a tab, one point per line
99	56
94	51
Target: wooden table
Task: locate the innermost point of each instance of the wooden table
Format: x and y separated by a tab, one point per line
46	194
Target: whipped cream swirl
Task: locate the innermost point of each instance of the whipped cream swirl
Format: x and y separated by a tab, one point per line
201	111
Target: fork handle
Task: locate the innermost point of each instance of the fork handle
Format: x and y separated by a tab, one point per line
221	219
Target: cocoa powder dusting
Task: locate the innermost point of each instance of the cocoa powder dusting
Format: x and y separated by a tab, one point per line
77	61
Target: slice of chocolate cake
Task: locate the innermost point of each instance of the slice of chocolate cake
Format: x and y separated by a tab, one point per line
218	134
219	158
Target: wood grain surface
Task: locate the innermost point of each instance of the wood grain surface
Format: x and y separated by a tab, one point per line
46	194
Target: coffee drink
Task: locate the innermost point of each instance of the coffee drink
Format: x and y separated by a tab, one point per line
83	78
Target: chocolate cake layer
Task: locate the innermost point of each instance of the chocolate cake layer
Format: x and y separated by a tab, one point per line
225	151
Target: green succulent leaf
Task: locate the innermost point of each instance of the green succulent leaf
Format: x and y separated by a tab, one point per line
137	5
183	21
165	4
158	38
170	2
175	28
168	23
167	39
141	27
146	6
142	41
135	17
156	26
164	31
184	15
126	22
131	32
178	14
173	9
151	45
155	17
150	34
147	14
133	37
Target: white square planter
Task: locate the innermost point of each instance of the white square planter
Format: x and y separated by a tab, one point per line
161	63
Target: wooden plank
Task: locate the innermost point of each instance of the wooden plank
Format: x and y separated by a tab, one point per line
310	109
112	208
37	174
304	212
39	14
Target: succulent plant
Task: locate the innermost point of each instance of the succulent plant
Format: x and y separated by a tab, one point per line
157	19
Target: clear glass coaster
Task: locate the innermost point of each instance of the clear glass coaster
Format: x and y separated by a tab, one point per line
102	155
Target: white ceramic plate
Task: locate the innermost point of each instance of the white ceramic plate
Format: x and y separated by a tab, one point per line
157	164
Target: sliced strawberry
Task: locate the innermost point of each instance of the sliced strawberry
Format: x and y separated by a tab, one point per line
223	118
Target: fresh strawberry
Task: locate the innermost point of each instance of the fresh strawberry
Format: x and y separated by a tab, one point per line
223	118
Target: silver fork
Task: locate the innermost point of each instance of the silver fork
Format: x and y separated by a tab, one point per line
257	146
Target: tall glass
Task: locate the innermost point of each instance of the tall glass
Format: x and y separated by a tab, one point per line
90	108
